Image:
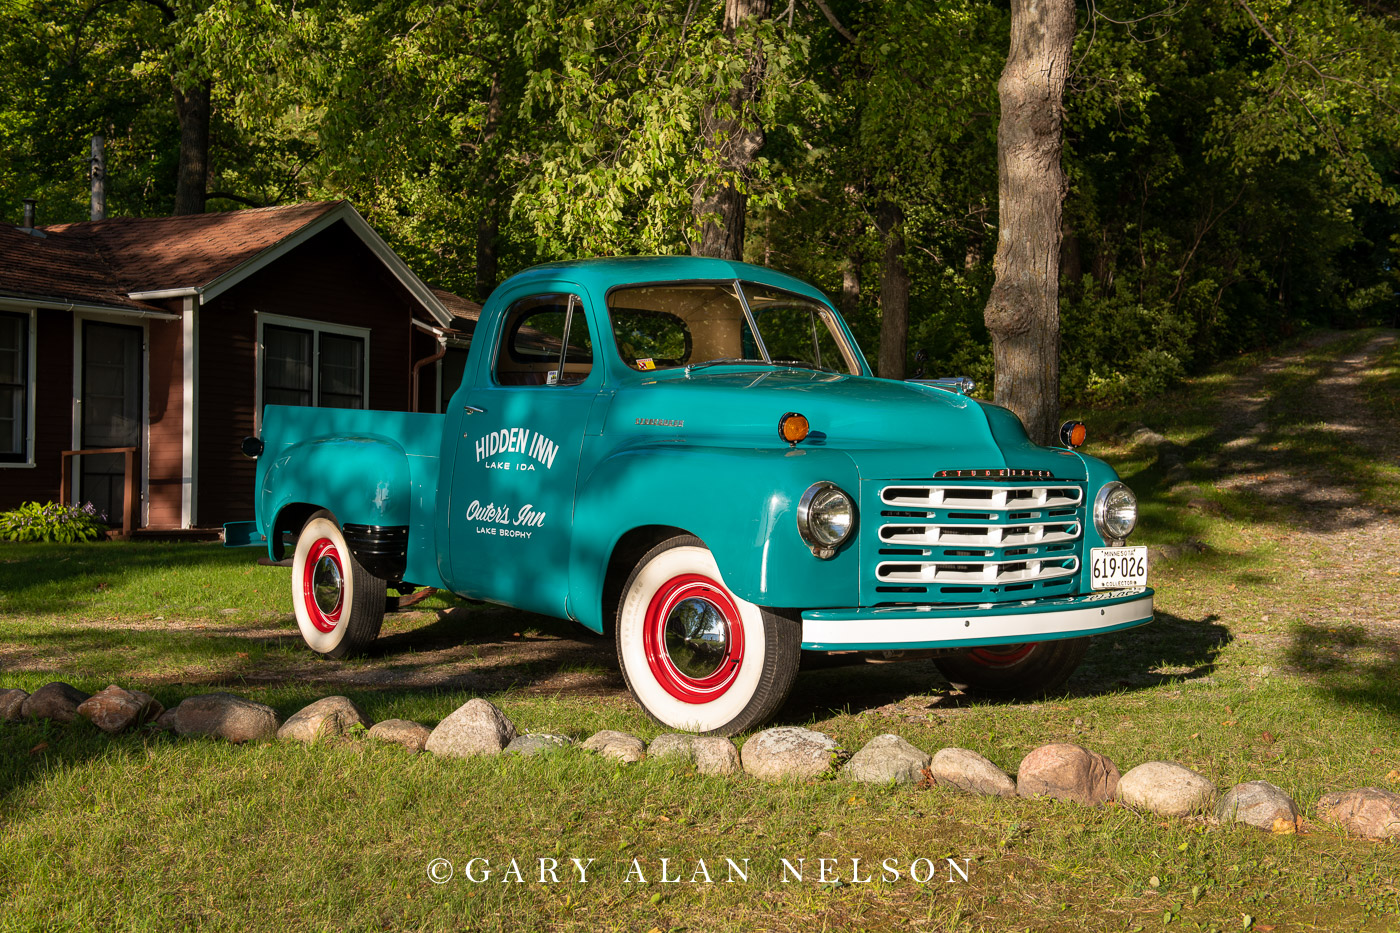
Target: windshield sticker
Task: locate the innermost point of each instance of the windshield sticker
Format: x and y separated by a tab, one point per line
497	519
516	441
646	364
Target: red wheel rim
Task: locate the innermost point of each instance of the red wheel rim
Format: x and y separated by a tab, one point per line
666	609
323	585
1000	656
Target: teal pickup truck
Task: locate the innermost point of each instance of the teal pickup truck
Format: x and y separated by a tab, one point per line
693	455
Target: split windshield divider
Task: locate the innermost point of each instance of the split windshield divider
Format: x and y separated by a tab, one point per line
753	323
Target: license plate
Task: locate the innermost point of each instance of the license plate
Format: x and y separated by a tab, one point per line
1116	568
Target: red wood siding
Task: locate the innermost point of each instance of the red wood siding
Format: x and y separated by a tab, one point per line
333	278
166	456
53	416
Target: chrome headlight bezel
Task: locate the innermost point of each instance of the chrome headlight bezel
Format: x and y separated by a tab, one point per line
817	497
1102	505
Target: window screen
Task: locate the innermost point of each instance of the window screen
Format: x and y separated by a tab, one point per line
14	387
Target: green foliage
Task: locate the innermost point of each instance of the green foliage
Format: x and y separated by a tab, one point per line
61	524
1232	164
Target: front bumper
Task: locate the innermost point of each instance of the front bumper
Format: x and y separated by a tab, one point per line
895	628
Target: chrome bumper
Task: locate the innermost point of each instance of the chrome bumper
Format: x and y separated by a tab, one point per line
910	627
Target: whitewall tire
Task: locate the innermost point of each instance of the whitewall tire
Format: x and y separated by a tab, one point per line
696	657
339	604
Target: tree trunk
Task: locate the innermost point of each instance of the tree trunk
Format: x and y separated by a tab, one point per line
894	293
735	137
488	225
850	287
192	106
1023	312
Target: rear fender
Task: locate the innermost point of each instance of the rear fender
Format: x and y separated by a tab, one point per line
361	479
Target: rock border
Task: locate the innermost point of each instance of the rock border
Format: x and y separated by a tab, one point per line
1059	770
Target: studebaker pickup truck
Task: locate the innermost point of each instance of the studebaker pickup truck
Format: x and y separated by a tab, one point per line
694	456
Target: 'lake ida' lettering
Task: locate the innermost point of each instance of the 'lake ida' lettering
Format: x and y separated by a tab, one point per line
526	517
517	441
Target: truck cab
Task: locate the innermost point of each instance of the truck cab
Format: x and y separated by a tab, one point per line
693	456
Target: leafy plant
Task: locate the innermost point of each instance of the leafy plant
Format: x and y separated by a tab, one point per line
50	521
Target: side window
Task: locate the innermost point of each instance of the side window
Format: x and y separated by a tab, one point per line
544	342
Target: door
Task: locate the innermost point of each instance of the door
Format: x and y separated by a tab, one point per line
111	402
511	518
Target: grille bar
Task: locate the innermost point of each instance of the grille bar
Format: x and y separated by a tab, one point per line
985	535
991	573
1000	498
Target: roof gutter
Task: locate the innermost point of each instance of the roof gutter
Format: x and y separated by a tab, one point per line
438	331
167	293
64	305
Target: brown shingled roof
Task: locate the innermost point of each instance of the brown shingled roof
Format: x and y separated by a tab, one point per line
102	261
461	308
58	268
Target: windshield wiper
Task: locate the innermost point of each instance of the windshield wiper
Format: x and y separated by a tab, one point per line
803	364
723	361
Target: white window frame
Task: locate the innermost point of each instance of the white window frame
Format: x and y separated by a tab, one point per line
319	327
31	382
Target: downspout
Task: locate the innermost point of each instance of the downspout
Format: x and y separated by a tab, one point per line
441	337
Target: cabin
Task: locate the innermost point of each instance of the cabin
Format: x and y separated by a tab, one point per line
137	353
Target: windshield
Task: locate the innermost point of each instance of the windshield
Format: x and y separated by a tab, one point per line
708	323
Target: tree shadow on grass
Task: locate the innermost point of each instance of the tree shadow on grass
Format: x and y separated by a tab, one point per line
1262	445
1166	651
1356	667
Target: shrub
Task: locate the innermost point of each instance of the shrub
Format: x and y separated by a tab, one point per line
50	521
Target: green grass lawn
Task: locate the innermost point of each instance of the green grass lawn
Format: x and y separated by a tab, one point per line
1275	656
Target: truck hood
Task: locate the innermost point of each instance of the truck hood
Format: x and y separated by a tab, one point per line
892	430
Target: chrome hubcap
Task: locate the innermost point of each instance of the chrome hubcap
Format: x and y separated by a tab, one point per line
697	638
327	584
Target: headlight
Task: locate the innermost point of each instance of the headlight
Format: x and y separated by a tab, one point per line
1115	511
825	518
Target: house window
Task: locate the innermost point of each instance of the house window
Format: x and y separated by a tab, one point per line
313	364
15	388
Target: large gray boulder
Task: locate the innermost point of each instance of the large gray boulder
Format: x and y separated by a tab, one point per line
1165	788
11	704
711	754
223	716
536	743
790	753
1258	804
620	746
886	758
1366	811
971	773
327	718
113	709
57	701
411	735
476	727
1067	772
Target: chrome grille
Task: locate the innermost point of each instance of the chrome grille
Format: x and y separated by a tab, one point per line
958	540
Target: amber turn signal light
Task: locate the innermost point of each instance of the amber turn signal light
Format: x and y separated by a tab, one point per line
793	427
1073	434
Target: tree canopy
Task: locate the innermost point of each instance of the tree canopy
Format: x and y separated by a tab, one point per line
1233	167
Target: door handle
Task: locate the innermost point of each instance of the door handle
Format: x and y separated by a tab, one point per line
473	410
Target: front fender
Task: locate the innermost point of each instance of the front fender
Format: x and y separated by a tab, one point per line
362	478
742	502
